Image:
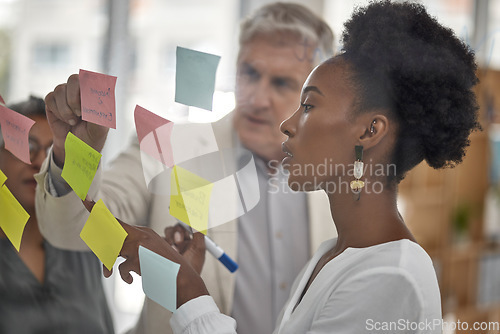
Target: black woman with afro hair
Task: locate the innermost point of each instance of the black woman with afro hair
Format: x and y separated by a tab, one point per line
399	92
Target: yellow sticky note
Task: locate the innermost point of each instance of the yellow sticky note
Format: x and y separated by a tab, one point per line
13	217
190	198
80	164
3	178
103	234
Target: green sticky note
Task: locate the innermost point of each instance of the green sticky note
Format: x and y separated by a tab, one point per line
103	234
13	217
190	198
3	178
195	77
80	165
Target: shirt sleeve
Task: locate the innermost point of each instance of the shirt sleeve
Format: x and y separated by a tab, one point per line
382	300
201	316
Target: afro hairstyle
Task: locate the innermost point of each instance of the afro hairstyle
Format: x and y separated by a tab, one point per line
405	62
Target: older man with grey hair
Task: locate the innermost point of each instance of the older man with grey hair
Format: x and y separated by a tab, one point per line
279	45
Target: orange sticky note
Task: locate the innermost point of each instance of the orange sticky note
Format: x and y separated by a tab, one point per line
80	164
190	198
15	131
103	234
97	94
154	134
13	217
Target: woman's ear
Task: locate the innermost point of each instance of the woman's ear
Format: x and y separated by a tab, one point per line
374	127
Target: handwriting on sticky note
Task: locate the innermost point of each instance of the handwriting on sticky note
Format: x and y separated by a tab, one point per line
80	164
195	77
159	278
15	131
13	217
190	198
154	133
103	234
97	93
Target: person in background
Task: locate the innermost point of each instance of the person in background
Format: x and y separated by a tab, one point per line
44	289
280	44
399	92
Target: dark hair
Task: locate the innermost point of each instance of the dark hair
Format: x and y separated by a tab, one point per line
31	107
404	61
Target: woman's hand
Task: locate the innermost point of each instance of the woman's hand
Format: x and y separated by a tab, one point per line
189	283
192	250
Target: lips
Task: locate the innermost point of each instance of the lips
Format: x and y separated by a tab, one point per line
256	120
286	150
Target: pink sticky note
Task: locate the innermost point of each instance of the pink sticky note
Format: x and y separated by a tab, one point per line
15	131
154	134
97	93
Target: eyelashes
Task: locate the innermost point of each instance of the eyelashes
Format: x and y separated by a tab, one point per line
307	107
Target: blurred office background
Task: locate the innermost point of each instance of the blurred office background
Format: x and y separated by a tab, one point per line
454	214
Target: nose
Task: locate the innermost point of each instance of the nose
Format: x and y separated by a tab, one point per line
39	159
288	126
261	95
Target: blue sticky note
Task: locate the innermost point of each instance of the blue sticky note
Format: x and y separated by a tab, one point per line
159	278
195	77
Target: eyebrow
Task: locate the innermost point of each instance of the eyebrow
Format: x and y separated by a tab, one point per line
312	89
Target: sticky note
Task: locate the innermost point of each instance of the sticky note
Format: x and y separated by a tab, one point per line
154	133
195	77
103	234
159	278
13	217
190	198
80	164
97	94
15	131
3	178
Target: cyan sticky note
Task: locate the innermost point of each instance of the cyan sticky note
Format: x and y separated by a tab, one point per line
159	278
13	217
103	234
80	164
195	77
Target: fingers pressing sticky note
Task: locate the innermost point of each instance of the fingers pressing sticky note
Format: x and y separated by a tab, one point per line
97	93
13	217
190	198
159	278
195	78
15	131
103	234
80	165
154	134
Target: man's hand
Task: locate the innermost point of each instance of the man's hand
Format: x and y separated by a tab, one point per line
192	247
63	108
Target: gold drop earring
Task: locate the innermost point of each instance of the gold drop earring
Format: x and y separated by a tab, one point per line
357	184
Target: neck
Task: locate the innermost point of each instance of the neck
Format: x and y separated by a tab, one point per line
371	220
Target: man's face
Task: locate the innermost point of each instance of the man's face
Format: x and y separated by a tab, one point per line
270	75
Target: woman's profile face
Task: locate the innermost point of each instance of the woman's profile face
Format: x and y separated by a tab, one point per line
321	138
